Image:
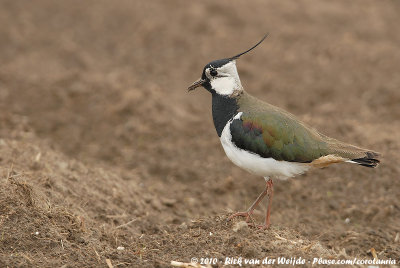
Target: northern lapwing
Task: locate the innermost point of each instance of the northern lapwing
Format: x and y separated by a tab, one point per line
266	140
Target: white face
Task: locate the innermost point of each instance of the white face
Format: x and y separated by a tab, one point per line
227	79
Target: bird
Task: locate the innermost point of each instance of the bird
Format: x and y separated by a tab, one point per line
265	140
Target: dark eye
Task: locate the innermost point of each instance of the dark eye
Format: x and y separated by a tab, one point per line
213	72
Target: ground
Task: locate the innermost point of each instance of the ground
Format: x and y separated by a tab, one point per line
106	160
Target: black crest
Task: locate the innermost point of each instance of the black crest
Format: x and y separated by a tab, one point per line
250	49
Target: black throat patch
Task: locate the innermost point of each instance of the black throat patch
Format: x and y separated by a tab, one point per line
224	108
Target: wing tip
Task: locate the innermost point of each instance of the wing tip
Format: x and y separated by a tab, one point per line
369	160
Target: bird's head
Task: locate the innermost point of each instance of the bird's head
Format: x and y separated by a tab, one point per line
221	76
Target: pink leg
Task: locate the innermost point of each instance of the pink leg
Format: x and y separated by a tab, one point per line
270	190
250	211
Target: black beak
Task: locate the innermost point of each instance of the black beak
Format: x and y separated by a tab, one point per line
196	84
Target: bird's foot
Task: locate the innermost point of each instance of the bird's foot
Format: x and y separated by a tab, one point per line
263	227
246	214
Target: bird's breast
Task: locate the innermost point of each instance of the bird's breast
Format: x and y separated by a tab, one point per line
224	109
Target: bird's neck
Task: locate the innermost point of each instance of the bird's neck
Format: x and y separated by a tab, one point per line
224	108
226	85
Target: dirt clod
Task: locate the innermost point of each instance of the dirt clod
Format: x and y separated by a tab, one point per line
240	226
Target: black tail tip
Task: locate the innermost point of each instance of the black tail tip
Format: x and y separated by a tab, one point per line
369	160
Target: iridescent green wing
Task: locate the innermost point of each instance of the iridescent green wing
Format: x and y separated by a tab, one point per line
273	134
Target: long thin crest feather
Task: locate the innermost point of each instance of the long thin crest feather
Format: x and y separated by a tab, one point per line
250	49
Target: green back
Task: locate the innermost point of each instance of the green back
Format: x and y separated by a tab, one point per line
271	132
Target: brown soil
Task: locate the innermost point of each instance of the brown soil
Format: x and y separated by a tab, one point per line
101	147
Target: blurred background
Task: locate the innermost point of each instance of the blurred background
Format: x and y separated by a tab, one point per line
101	143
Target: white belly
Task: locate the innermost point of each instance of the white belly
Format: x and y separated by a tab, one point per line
265	167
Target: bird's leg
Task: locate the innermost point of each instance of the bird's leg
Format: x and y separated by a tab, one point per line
249	211
270	191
